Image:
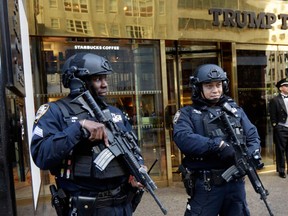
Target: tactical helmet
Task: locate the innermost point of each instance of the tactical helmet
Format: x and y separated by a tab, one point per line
205	74
82	65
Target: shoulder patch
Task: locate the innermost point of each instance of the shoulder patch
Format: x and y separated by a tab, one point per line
176	117
197	111
41	111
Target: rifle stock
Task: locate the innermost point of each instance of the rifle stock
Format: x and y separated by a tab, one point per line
120	144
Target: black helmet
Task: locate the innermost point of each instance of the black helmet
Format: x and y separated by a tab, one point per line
205	74
82	65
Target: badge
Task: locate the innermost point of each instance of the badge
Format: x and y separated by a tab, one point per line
116	118
41	111
176	117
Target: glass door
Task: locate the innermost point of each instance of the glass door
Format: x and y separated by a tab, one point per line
258	70
181	61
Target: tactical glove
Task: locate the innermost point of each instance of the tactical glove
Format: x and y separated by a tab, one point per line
226	153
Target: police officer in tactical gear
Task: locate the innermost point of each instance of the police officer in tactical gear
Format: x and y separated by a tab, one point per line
66	140
201	137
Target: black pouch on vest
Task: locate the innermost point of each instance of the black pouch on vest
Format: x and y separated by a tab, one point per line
85	205
82	166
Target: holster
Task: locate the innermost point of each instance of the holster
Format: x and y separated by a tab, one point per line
188	179
59	200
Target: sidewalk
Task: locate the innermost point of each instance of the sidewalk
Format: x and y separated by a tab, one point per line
174	198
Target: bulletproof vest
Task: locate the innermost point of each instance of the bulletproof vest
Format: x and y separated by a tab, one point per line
214	127
79	163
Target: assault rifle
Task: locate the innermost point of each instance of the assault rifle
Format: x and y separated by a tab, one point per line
120	144
245	164
139	193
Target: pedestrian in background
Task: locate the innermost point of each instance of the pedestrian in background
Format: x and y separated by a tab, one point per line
278	108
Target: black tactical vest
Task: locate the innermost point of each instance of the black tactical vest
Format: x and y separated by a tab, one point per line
214	127
79	163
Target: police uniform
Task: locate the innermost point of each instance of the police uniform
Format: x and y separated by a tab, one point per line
278	108
59	144
197	133
200	132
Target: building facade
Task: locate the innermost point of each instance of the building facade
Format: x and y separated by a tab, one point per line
154	46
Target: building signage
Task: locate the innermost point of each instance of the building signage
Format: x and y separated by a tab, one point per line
91	47
248	19
15	73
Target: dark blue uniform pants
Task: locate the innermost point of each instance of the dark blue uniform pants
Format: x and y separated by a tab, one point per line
281	146
229	199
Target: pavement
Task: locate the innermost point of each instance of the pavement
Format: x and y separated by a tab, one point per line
174	198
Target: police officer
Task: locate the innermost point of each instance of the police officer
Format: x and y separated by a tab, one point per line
66	140
278	108
201	137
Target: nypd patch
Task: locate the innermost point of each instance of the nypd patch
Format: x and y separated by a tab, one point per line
41	111
176	117
116	117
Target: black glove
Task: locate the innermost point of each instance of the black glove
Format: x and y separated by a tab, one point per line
226	153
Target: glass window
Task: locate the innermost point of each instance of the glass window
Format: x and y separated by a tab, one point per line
76	6
139	31
144	8
115	30
113	6
78	26
99	5
128	8
84	8
162	7
67	5
102	28
55	23
53	3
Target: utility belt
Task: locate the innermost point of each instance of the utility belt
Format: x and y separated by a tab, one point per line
102	194
87	204
213	176
210	178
